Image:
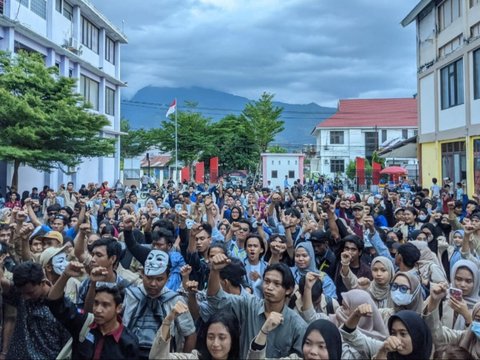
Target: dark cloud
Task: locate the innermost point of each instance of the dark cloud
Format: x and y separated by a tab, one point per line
302	50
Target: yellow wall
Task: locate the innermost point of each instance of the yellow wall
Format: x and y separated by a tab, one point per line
431	163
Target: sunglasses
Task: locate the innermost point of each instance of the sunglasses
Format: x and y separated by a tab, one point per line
403	288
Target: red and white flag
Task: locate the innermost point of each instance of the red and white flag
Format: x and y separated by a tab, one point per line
172	108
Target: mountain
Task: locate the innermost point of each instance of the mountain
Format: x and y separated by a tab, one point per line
147	108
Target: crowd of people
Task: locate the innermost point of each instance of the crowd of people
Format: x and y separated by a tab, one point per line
225	272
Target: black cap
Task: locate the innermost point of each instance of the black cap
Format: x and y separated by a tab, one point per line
320	236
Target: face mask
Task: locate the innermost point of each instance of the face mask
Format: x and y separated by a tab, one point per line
59	263
400	298
422	217
475	328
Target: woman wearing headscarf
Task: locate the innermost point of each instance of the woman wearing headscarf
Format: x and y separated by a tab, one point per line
469	338
431	272
410	338
322	341
457	311
371	326
305	262
405	294
379	287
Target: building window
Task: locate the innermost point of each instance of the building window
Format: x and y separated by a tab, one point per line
274	174
337	166
476	165
452	84
58	5
90	35
476	74
39	7
336	137
291	174
450	47
454	161
448	12
89	89
475	30
404	134
109	101
109	50
68	11
384	136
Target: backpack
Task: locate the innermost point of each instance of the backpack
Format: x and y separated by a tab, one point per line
66	352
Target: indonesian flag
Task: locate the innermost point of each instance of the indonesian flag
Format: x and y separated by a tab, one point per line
172	108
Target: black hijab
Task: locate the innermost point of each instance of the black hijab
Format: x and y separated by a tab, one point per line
419	333
436	232
330	334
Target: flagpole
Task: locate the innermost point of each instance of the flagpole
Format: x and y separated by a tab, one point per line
176	143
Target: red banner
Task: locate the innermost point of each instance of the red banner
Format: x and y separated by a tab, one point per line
200	172
213	170
376	168
360	165
185	174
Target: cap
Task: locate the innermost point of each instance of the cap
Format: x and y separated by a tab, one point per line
378	196
320	236
49	253
54	235
156	263
357	206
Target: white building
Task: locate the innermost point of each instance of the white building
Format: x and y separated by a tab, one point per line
360	127
448	60
278	166
74	36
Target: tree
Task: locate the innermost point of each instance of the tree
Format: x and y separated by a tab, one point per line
194	135
264	119
136	142
233	143
44	123
277	149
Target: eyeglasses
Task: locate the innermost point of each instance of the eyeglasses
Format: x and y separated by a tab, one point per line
403	288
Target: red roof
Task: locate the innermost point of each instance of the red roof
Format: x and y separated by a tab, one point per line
373	112
156	161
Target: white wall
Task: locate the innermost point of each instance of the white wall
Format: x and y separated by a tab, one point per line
451	118
28	18
282	163
427	104
426	36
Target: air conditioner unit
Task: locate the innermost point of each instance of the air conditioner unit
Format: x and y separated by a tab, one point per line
73	45
71	170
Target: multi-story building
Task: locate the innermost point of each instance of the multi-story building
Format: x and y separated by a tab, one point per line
448	60
360	127
277	168
74	36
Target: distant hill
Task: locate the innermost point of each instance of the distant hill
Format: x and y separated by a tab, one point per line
148	106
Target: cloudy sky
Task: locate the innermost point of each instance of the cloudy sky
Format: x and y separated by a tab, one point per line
302	50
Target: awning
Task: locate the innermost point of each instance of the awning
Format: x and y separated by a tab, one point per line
406	149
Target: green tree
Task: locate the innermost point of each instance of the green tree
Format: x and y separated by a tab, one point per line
194	135
351	170
264	119
376	158
135	142
277	149
44	123
233	143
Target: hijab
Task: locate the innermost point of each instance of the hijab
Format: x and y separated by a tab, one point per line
372	326
432	244
468	340
456	254
298	273
415	288
380	292
472	298
419	332
330	334
427	257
